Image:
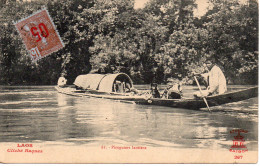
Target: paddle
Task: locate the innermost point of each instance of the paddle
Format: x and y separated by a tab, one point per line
205	101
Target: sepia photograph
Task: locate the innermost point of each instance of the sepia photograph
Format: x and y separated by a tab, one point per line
129	81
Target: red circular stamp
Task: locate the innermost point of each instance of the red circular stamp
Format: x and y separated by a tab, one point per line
39	35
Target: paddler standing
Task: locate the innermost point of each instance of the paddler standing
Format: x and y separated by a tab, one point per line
215	78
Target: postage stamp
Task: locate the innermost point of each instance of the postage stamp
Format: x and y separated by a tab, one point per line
39	34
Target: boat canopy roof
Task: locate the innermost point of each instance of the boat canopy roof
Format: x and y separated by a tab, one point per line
101	82
89	81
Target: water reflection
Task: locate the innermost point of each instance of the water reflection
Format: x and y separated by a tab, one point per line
42	114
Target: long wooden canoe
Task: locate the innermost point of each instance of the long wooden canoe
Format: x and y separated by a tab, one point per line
188	103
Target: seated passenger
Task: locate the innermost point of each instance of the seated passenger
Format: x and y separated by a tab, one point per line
134	91
154	91
62	82
127	87
172	91
215	79
130	89
118	87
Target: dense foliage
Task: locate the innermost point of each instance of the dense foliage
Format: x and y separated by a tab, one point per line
163	40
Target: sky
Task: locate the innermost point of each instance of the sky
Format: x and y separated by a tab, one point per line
201	10
202	6
140	3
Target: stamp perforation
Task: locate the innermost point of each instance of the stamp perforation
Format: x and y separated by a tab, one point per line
61	43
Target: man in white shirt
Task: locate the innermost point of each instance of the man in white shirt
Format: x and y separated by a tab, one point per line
216	81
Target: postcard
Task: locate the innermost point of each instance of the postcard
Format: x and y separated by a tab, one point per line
129	81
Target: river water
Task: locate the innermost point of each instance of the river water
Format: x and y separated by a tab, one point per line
39	114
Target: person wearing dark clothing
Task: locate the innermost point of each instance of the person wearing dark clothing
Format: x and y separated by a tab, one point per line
154	91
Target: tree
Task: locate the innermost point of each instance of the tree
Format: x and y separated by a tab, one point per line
233	37
130	46
181	47
152	44
173	13
183	53
13	56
